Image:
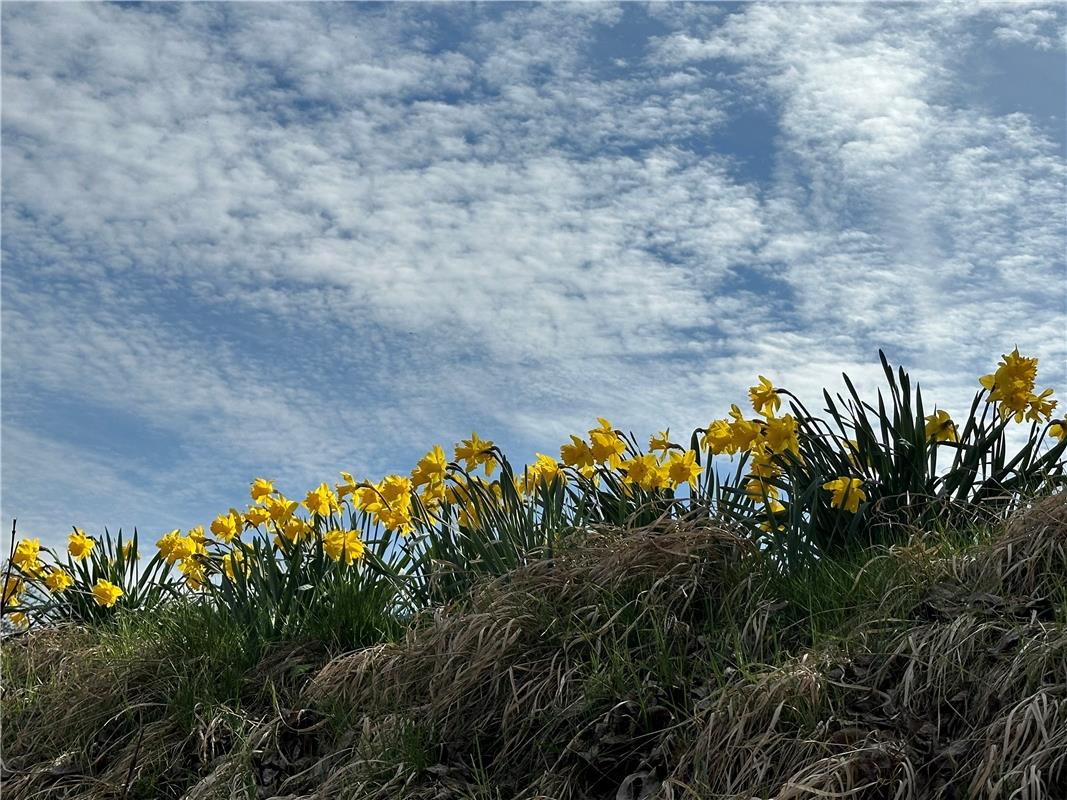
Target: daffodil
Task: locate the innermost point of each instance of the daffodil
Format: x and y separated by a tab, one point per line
257	515
321	501
1058	429
58	581
847	493
430	469
280	508
780	435
346	545
26	552
606	445
295	529
1039	408
106	593
348	487
660	442
394	508
79	545
1012	385
13	587
744	434
194	571
228	526
475	451
577	453
646	472
261	488
765	398
128	553
683	468
758	490
940	428
718	438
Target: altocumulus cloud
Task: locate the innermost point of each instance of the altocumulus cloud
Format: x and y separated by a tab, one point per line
293	239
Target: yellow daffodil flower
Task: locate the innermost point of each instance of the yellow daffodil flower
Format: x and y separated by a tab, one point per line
1058	429
345	545
683	468
1012	385
577	454
58	581
79	545
718	438
430	469
765	398
321	500
475	451
940	428
261	488
106	593
847	493
660	442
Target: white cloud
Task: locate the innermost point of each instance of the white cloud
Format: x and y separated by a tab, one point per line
300	238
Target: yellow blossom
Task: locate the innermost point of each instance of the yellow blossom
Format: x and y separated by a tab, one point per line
475	451
128	553
280	508
58	581
758	489
683	468
780	435
744	434
257	515
646	472
194	571
718	438
295	529
106	593
1039	408
339	544
430	469
13	587
1012	384
1058	429
847	493
321	500
227	526
577	454
765	398
79	545
660	442
261	488
19	619
606	445
348	487
940	427
26	552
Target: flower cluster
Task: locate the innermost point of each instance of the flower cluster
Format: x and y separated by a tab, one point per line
464	492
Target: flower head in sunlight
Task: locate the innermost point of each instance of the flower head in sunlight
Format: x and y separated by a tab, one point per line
79	545
106	593
261	488
940	427
58	581
765	398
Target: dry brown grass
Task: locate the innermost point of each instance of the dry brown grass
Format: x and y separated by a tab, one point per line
654	663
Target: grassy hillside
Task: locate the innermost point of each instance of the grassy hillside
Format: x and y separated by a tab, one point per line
674	660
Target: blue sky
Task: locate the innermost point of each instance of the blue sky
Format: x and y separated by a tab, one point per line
286	240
